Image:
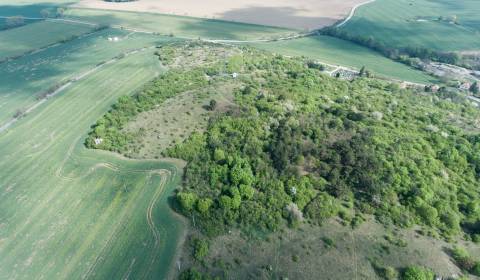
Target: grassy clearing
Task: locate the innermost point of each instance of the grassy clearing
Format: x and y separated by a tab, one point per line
17	41
71	213
332	250
175	119
402	23
22	80
341	52
178	25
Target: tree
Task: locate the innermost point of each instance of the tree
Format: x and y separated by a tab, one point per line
212	105
45	13
60	12
362	71
474	88
15	21
200	249
203	205
187	200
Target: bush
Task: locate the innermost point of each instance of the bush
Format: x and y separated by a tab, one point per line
417	273
200	249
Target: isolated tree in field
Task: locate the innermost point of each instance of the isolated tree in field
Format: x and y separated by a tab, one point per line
45	13
212	105
362	71
474	88
15	21
60	12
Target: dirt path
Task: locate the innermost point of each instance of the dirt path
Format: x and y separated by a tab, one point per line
352	12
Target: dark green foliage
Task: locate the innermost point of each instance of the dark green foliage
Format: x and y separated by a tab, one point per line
474	88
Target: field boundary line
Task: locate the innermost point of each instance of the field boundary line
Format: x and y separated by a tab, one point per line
71	81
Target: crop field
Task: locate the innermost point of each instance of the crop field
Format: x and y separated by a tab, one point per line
30	37
335	51
401	23
71	213
178	25
305	14
22	80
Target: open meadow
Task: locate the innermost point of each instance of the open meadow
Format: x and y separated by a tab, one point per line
69	213
423	23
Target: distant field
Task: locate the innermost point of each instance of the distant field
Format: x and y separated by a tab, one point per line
71	213
179	26
17	41
305	14
401	23
336	51
23	80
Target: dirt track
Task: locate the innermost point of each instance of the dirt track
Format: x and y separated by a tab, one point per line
299	14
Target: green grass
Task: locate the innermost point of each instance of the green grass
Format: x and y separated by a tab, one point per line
394	22
71	213
335	51
23	79
179	26
17	41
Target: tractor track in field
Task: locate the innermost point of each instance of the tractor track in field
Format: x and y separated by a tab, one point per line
165	174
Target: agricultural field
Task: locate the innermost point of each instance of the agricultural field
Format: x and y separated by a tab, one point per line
69	213
134	145
340	52
179	26
422	23
25	79
302	15
35	36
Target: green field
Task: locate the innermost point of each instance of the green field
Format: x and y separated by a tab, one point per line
336	51
30	37
402	23
71	213
22	80
179	26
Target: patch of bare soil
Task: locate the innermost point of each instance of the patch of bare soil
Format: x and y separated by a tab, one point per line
297	14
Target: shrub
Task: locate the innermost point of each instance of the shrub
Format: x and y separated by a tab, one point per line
417	273
200	249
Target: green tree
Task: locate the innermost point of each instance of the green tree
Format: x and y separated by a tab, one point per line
200	249
203	205
474	88
187	200
362	71
45	13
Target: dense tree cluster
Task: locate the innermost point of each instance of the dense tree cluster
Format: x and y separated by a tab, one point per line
330	147
301	146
